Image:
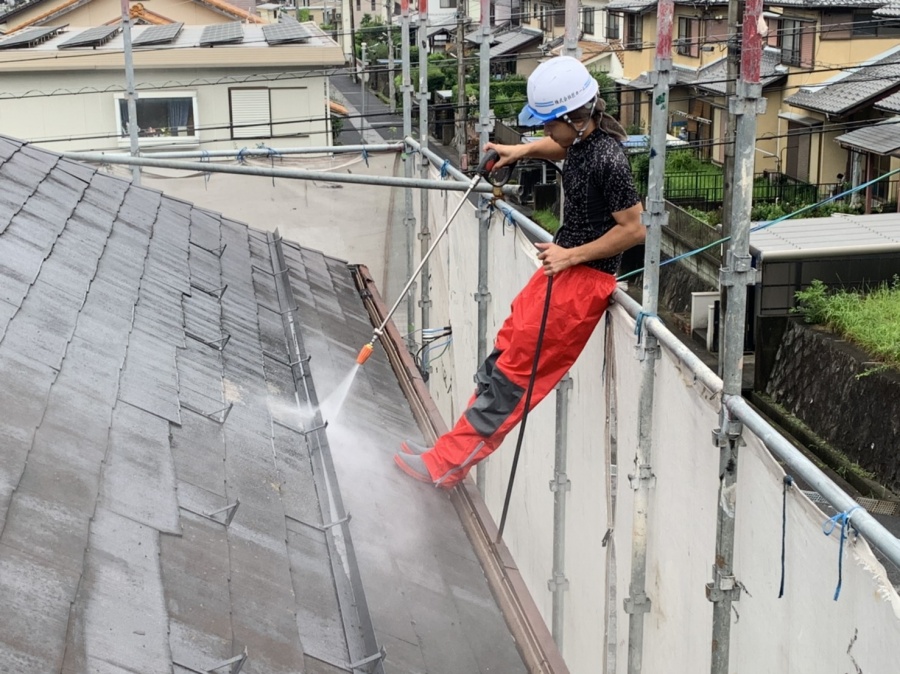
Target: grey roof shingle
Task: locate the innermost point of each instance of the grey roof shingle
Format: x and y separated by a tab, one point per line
714	76
881	138
842	94
150	392
889	103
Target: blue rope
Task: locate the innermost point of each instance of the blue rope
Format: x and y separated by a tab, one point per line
240	156
639	324
827	527
365	156
788	483
444	171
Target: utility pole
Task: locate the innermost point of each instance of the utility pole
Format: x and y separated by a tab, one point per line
570	43
642	481
392	92
736	274
352	38
409	218
362	91
130	93
461	99
733	70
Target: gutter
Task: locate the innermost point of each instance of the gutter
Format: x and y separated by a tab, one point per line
526	624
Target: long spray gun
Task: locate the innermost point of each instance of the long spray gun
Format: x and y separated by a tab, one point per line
485	170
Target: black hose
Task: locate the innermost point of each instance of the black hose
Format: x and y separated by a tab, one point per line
534	368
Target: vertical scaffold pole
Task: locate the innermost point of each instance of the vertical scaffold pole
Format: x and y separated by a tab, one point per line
483	295
130	92
424	233
736	274
655	217
409	217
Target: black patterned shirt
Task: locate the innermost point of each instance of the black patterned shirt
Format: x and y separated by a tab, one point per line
597	182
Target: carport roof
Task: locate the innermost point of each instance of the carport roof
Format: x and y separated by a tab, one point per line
840	233
170	495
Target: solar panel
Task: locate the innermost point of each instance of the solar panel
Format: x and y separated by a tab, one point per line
31	37
285	33
222	33
92	37
158	34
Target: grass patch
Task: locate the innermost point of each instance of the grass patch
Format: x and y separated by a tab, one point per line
547	220
871	320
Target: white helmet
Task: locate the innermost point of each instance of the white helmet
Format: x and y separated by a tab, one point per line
557	87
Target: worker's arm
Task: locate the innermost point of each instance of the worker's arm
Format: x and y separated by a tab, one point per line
545	148
628	232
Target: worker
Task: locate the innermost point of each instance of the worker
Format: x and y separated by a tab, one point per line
601	219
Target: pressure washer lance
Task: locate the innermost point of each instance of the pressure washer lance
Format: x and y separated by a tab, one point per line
366	351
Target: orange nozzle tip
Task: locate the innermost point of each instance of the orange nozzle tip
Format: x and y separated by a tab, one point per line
364	353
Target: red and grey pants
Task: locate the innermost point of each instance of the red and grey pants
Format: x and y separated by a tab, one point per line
579	297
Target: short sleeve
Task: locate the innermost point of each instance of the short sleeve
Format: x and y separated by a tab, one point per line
617	182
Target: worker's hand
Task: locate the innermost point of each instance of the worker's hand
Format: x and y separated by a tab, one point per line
555	258
508	153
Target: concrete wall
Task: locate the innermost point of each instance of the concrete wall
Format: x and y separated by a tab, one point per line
859	632
86	120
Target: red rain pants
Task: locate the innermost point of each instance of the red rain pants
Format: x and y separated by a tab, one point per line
578	299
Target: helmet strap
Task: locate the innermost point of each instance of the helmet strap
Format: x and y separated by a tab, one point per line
580	131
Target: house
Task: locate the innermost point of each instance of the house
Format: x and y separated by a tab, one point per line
198	86
31	13
177	493
803	43
514	49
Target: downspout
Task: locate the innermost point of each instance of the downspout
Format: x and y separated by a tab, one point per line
483	296
736	275
409	216
637	604
424	233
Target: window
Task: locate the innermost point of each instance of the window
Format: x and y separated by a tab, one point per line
543	19
612	26
634	31
251	113
688	42
448	4
797	43
161	118
843	25
587	20
526	11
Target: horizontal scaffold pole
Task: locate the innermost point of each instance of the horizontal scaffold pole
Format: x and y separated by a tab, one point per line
295	174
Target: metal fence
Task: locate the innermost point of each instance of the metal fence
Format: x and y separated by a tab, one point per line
704	191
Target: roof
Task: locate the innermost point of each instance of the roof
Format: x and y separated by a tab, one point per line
60	9
892	8
882	138
853	88
841	233
591	50
170	497
253	50
713	76
509	39
889	103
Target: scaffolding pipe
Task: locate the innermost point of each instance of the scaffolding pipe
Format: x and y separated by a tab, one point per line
560	485
299	174
483	295
570	41
642	481
424	233
130	92
736	274
254	152
409	216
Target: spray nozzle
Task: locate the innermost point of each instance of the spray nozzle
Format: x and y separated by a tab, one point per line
365	353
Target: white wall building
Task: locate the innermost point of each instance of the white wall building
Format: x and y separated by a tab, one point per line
243	90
